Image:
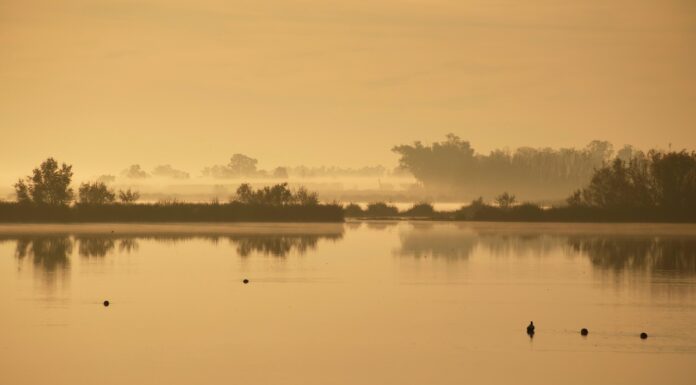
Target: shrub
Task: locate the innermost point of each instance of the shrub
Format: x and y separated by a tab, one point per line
95	193
353	210
422	209
381	209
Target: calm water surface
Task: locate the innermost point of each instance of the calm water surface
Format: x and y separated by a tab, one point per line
355	303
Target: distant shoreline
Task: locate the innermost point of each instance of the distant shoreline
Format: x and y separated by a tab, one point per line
235	212
526	212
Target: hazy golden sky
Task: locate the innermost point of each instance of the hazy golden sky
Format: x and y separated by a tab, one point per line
103	84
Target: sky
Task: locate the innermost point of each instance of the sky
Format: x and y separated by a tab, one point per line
105	84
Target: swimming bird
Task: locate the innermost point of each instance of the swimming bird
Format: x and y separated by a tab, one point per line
530	328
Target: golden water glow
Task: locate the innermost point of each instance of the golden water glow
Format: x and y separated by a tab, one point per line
360	303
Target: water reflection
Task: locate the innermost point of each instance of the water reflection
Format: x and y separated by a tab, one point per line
95	246
50	254
276	245
638	252
670	255
381	225
521	244
427	240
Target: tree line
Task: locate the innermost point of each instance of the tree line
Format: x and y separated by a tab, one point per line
49	184
663	181
244	166
654	186
452	168
47	196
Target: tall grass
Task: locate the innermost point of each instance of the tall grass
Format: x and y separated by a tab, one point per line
170	212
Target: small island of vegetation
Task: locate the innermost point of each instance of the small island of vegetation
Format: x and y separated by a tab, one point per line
653	187
46	196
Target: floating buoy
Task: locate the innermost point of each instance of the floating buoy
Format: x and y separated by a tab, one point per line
643	335
584	331
245	280
106	303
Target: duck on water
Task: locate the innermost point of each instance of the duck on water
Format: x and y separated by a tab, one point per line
530	328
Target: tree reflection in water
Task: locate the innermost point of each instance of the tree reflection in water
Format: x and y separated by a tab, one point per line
277	245
666	255
428	240
95	246
50	253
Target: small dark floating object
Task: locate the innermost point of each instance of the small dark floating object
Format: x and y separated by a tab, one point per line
245	280
584	331
106	303
530	328
643	335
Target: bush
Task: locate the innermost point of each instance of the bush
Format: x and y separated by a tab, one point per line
353	210
96	193
381	209
422	209
276	195
128	196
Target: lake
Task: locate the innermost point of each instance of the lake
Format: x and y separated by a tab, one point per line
350	303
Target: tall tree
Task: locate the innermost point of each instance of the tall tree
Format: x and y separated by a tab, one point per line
49	184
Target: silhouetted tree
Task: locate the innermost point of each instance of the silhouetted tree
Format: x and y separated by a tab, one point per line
49	184
660	180
135	172
452	167
128	196
96	193
353	210
276	195
381	209
242	165
505	200
306	198
620	184
166	170
422	209
675	179
245	194
280	173
441	163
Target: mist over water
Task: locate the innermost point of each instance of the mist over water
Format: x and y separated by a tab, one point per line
401	301
347	192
